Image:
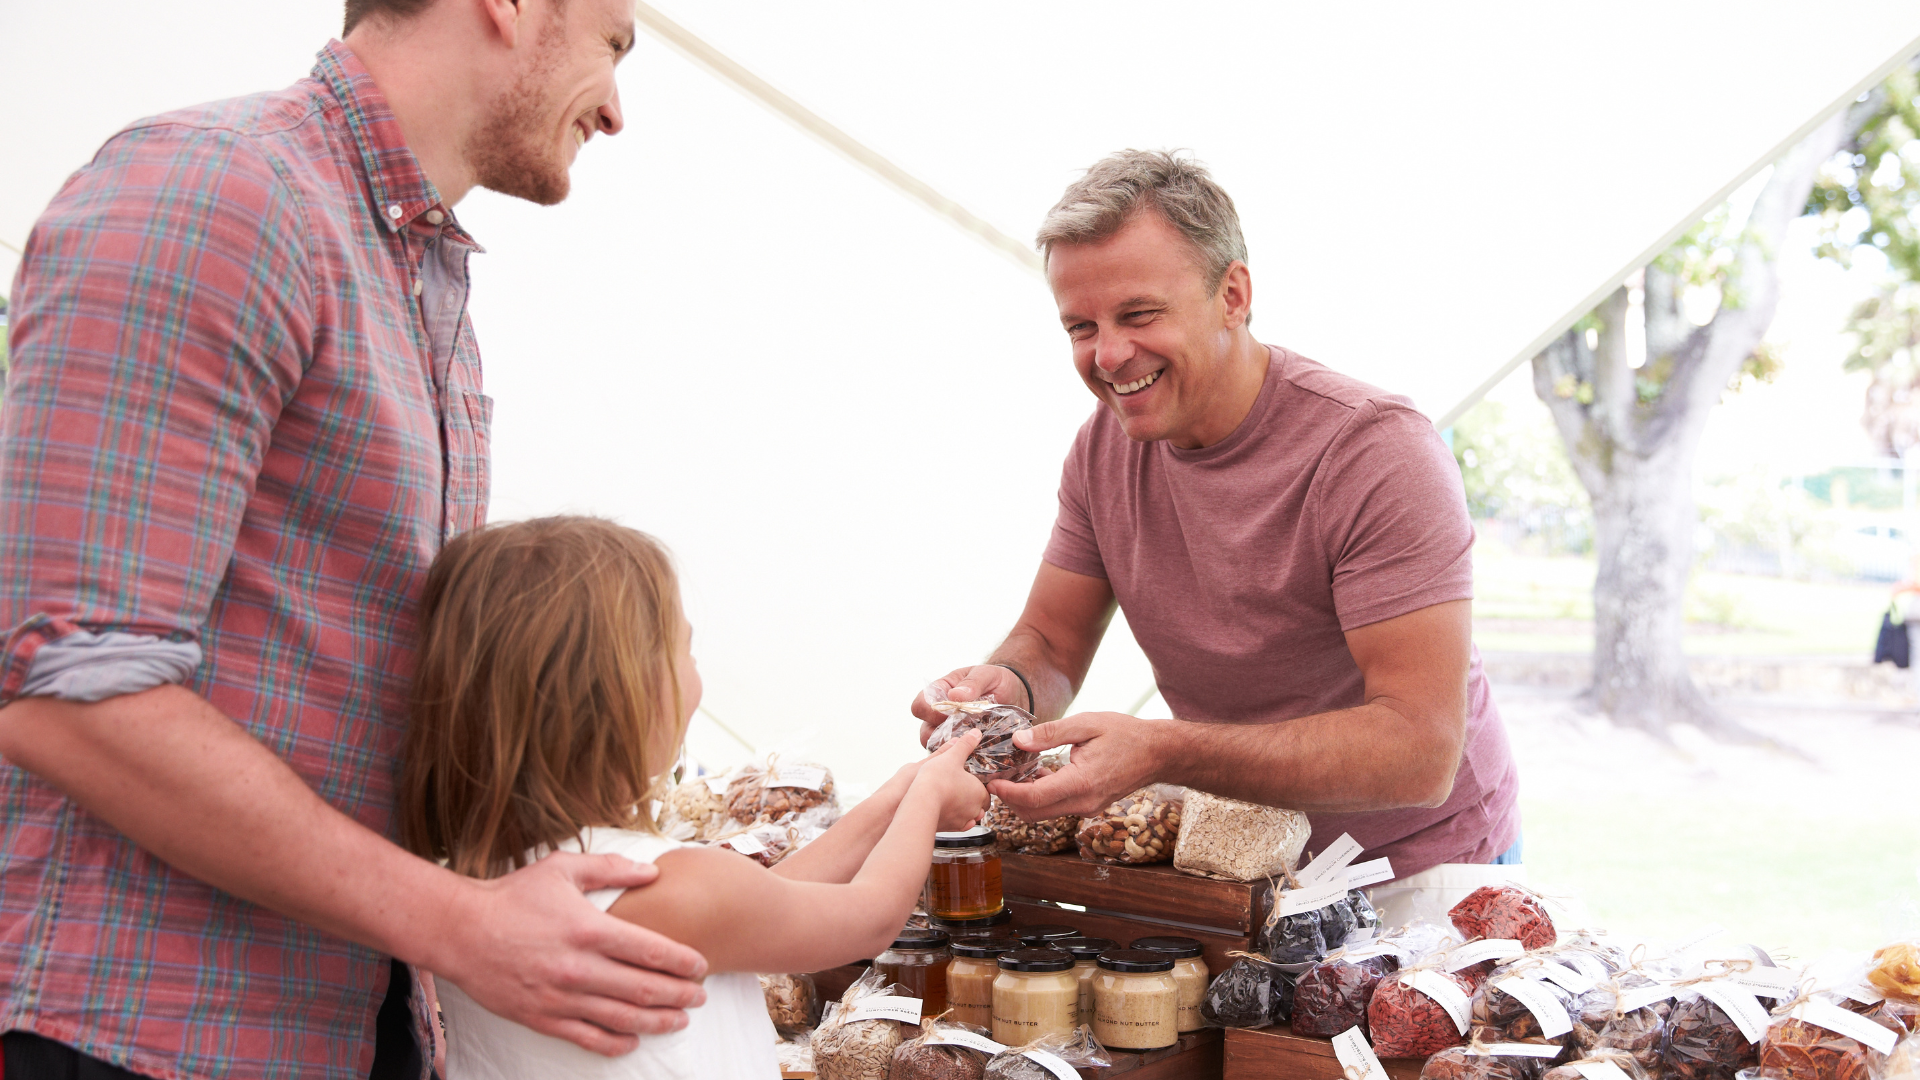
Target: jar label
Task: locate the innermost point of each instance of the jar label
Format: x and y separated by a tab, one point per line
1852	1025
1357	1059
1053	1063
811	777
1331	861
1745	1009
947	1036
1554	1021
886	1007
1474	952
1446	992
1600	1070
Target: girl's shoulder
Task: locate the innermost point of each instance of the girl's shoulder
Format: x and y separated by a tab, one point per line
635	845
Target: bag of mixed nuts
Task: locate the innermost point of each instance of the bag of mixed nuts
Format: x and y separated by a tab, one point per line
1138	829
995	758
1029	837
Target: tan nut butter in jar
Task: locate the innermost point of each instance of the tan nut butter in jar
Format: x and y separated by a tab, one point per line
1085	950
1136	1004
1189	973
1035	994
970	975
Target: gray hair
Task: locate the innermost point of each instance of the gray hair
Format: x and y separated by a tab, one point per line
1180	188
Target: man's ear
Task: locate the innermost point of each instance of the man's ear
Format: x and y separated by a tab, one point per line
504	17
1236	295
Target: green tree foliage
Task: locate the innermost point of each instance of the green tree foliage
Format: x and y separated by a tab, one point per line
1515	470
1868	194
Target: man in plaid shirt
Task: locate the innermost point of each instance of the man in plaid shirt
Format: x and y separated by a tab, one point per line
244	412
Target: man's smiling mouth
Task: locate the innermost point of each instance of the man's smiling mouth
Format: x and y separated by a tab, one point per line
1136	385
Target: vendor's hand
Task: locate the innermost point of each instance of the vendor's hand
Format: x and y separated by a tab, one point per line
529	947
945	777
1113	755
970	684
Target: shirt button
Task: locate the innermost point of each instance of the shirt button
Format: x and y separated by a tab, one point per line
417	287
394	211
435	217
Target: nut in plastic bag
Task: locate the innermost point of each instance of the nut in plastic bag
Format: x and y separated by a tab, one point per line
996	758
1050	1057
770	792
793	1003
1138	829
1029	837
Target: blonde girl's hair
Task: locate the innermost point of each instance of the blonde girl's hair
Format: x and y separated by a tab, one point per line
546	662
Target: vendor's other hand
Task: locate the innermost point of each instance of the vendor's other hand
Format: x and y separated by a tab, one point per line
970	684
1113	755
944	774
528	946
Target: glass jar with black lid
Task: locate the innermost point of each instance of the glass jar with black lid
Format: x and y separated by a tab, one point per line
1085	950
970	975
1136	1002
1036	993
998	924
964	880
1040	935
918	961
1189	972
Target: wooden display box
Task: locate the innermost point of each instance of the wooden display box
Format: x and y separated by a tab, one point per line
1276	1053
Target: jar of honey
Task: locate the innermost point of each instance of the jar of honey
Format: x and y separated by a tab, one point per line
998	924
964	880
917	960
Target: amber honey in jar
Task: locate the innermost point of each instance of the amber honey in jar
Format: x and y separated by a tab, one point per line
1189	973
970	975
998	924
1035	994
1085	951
918	961
964	880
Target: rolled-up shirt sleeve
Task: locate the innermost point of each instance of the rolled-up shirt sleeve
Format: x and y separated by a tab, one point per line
161	319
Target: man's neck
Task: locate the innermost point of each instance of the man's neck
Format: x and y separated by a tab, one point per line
432	102
1245	373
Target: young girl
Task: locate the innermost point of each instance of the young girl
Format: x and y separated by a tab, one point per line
553	691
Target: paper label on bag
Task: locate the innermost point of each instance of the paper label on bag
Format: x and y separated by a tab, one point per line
1295	901
1699	937
1601	1070
1053	1063
968	1039
1357	1059
1864	994
1371	872
1446	992
1532	1050
1331	861
1554	1021
1474	952
1852	1025
1738	1003
1586	964
1368	950
811	777
745	844
1642	996
886	1007
1774	982
716	783
1575	982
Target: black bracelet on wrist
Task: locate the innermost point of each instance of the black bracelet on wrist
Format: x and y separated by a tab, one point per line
1024	684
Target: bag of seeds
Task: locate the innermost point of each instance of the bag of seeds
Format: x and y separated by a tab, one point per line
1419	1010
1631	1067
1514	1007
857	1038
1029	837
1050	1057
995	758
1480	1061
1816	1039
793	1002
1253	992
1704	1043
944	1050
1333	995
1138	829
1237	841
766	793
1503	911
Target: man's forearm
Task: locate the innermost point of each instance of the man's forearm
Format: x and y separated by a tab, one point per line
188	784
1372	757
1053	688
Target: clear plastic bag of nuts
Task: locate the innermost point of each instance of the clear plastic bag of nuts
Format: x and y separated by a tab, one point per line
1029	837
994	757
793	1003
1138	829
767	793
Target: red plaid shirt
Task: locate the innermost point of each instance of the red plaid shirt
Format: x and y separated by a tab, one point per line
244	412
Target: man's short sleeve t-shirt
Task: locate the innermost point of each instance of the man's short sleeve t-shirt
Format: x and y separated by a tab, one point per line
1241	566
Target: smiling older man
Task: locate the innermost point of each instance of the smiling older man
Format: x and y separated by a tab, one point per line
1290	546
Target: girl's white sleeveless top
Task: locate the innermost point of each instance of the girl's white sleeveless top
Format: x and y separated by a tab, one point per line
729	1038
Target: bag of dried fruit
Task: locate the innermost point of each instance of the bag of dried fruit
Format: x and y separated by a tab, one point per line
1419	1010
1519	1003
1138	829
1333	995
1619	1016
1301	936
758	793
857	1037
1484	1061
1253	992
1029	837
944	1050
1050	1057
1814	1037
1600	1065
996	758
1504	911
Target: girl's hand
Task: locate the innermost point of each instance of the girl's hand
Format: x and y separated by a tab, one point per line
944	776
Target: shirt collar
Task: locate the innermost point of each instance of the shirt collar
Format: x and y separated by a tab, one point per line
400	191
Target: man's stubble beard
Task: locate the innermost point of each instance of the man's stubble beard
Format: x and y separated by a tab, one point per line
512	153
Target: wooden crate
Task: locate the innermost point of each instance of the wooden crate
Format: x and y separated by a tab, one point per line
1276	1053
1128	902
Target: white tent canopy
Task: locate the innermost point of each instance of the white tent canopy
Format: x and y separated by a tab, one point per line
847	416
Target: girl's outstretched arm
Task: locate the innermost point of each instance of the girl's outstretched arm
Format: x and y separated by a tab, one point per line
743	917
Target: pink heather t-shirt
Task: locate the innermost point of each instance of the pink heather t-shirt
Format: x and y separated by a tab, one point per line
1241	565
